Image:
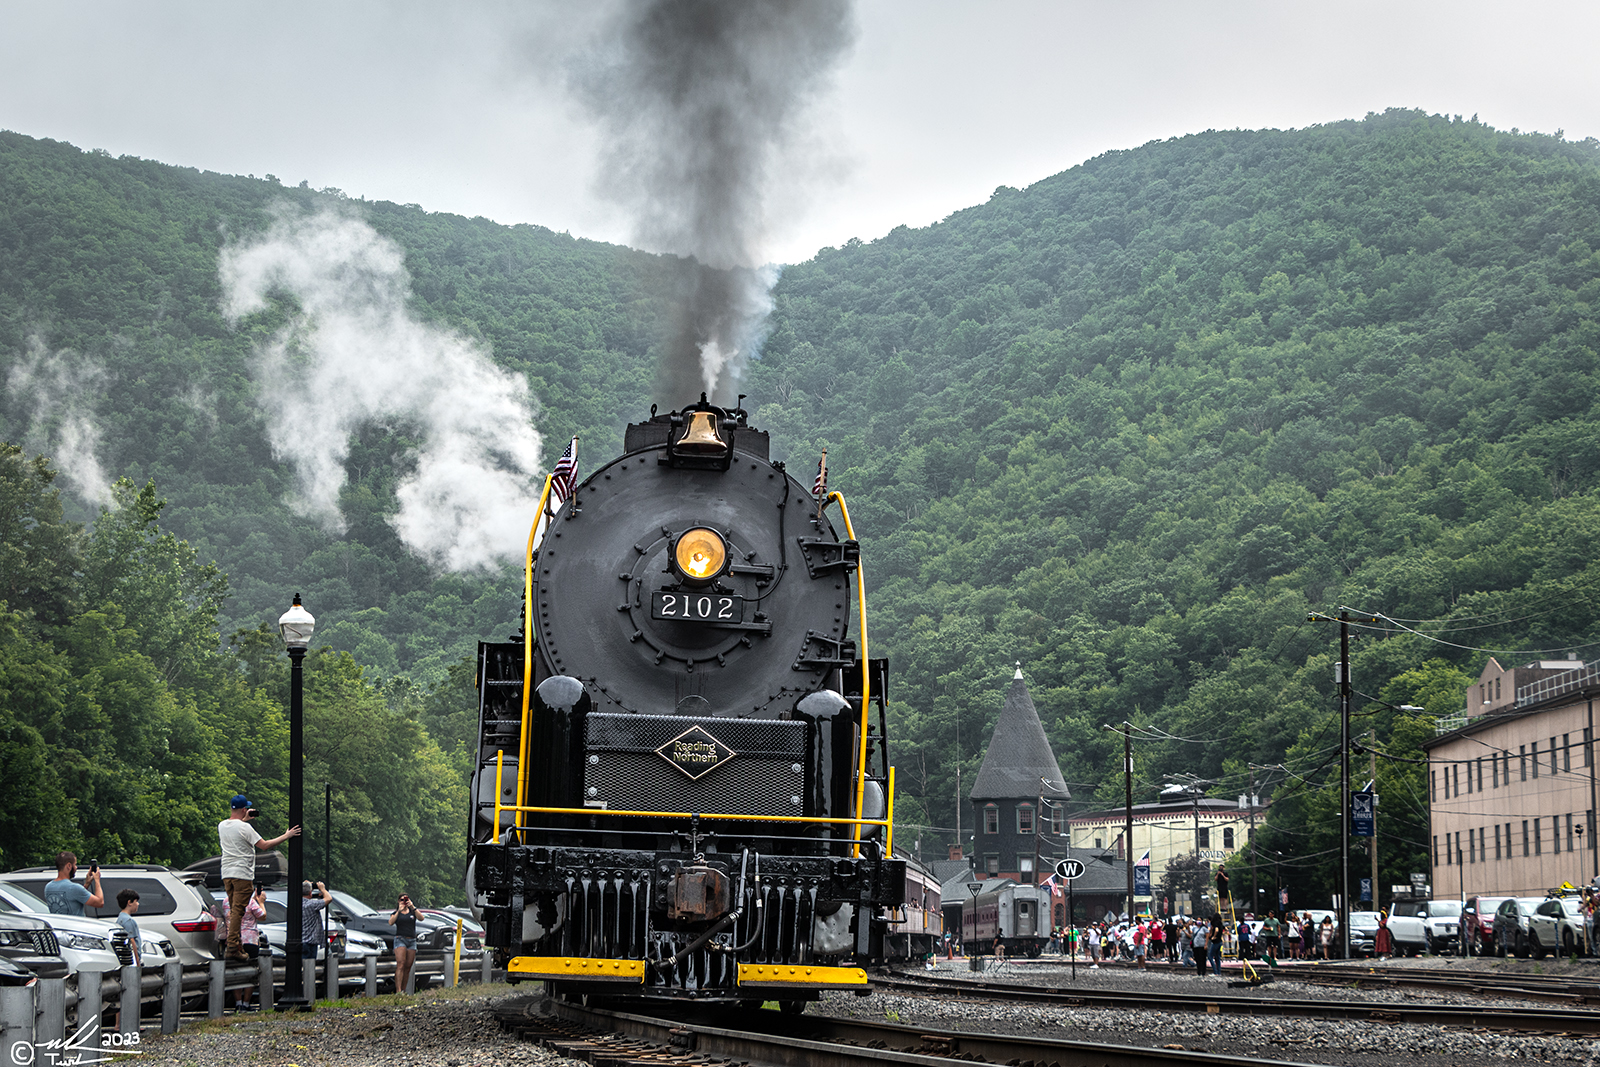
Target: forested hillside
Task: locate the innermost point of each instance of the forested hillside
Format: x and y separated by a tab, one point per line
1127	426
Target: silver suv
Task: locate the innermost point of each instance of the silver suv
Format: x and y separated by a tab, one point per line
173	904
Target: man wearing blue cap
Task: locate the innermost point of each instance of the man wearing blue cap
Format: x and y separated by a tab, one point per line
239	843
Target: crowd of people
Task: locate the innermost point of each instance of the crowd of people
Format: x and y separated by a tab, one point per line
1197	942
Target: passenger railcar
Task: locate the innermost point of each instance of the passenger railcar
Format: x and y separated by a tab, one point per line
1019	915
682	785
917	927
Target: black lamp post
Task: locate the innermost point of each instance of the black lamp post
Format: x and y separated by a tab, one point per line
296	625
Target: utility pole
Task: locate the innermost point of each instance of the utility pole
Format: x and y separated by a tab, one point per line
1372	845
1255	884
1127	833
1342	678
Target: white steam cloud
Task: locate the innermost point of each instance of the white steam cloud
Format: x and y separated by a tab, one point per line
57	389
354	355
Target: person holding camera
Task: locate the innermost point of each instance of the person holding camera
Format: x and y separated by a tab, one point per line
404	921
240	840
312	935
66	897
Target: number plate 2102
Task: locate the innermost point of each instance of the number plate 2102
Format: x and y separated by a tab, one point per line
697	607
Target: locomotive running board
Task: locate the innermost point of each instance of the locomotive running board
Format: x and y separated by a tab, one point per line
782	977
577	969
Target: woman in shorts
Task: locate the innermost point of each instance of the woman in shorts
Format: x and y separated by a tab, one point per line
404	921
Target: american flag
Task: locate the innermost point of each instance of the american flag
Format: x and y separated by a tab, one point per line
819	488
565	476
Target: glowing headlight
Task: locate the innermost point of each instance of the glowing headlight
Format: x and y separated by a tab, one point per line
700	554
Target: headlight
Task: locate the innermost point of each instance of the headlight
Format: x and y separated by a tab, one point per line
700	554
82	942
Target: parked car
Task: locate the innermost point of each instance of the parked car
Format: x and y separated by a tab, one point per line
274	928
1513	934
1477	919
28	941
13	974
1363	933
1557	925
88	944
172	904
1431	926
471	930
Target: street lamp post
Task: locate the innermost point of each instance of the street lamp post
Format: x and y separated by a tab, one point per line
296	625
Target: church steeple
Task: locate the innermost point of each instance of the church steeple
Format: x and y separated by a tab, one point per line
1019	754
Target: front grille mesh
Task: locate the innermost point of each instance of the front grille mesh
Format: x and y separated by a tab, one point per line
623	770
44	942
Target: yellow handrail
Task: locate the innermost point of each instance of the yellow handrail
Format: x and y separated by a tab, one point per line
888	817
866	670
527	656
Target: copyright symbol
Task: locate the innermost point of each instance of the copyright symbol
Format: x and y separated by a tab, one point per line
22	1053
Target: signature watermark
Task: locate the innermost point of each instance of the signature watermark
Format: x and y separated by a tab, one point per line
77	1049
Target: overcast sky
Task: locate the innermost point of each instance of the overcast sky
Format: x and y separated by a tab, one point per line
460	107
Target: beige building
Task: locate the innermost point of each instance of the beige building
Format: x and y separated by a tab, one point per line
1511	784
1174	828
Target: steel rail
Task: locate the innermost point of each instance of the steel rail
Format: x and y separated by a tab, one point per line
823	1041
1531	1020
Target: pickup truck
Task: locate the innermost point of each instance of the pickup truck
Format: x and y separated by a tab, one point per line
1430	926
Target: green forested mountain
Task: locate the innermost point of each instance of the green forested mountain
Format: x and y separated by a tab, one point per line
1126	426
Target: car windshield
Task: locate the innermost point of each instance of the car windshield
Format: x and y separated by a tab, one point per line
350	904
1363	919
1445	909
26	901
1572	906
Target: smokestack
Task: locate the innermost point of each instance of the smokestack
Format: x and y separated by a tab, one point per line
699	100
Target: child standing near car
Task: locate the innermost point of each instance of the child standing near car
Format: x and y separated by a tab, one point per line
128	902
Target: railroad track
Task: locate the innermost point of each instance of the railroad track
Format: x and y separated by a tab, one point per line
605	1038
1551	988
1564	1021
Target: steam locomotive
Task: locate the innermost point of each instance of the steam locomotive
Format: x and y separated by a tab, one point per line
682	787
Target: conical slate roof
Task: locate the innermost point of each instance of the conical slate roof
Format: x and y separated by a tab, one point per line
1019	754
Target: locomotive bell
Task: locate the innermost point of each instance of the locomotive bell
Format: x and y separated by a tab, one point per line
701	438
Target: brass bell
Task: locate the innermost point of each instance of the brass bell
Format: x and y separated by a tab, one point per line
701	438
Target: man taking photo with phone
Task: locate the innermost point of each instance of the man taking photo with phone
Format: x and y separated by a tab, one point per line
240	840
66	897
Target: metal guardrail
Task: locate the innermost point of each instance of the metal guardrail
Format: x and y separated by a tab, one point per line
62	1016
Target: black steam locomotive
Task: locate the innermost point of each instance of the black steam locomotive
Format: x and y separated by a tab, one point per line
682	786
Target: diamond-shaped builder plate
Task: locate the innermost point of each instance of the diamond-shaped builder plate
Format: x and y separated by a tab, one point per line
695	752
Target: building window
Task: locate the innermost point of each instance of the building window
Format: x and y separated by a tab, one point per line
1538	837
1480	774
1569	831
1524	837
1455	779
1432	786
1566	752
1458	848
991	819
1227	837
1522	761
1058	819
991	863
1494	771
1497	688
1588	823
1552	755
1202	837
1436	850
1588	747
1025	818
1099	842
1469	777
1533	756
1496	840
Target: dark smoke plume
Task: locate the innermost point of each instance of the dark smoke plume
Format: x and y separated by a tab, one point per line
699	99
